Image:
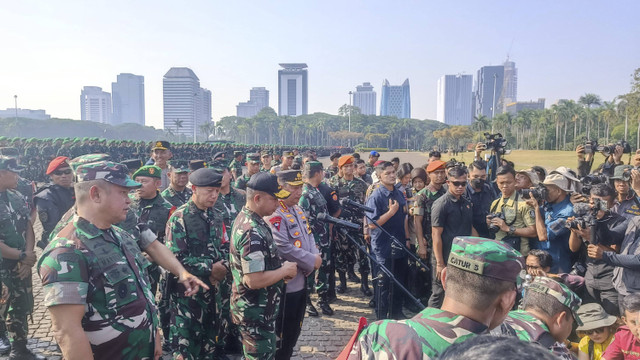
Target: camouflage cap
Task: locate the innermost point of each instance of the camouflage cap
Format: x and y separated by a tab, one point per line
486	257
10	164
253	158
179	166
560	292
108	171
85	159
219	165
619	171
264	153
149	171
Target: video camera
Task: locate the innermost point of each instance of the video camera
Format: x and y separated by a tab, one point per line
587	216
539	193
454	163
592	146
593	179
496	143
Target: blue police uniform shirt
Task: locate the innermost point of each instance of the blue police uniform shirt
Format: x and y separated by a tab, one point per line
555	216
380	241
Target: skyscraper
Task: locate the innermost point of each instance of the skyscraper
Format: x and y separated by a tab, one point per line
186	104
510	86
128	99
293	89
258	100
365	99
95	105
455	99
395	100
488	90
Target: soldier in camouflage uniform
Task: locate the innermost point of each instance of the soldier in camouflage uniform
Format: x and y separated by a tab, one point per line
258	273
313	203
16	245
236	165
92	271
287	162
178	191
481	279
350	187
194	236
161	154
253	166
265	158
550	308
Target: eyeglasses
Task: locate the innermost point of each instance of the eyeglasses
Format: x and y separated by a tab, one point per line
594	331
62	172
458	183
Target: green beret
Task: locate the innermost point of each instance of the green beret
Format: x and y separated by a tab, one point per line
149	171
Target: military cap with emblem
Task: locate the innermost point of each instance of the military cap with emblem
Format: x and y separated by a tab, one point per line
253	158
197	164
264	153
559	291
179	166
89	158
132	164
219	165
485	257
313	165
161	145
58	163
268	183
111	172
287	153
10	164
291	177
205	177
148	171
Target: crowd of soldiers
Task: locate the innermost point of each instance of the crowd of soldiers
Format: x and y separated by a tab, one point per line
210	254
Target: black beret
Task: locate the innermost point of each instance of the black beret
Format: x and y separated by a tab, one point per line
205	177
132	164
268	183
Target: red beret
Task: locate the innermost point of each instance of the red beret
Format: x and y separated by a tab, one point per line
55	164
344	160
435	165
378	162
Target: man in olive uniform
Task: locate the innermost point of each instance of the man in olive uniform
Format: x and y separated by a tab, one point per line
177	193
236	165
350	187
287	162
258	273
266	157
56	198
253	166
26	187
313	203
480	278
292	234
161	154
16	246
194	237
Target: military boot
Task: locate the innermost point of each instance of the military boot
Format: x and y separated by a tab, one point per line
323	304
364	286
19	351
5	344
340	289
352	275
311	310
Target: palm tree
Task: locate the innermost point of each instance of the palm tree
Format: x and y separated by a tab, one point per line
178	124
588	100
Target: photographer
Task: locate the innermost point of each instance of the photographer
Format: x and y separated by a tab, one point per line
510	217
613	158
626	203
609	233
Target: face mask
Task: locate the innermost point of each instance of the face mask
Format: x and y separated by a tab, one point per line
477	183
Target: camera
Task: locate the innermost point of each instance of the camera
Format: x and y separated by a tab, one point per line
495	228
454	163
591	146
593	179
610	149
587	216
539	193
496	142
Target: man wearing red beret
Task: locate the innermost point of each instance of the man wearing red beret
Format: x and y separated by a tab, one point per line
54	199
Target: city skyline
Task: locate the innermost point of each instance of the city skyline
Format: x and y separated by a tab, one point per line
548	43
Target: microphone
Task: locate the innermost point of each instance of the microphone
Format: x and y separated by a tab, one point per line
349	202
339	222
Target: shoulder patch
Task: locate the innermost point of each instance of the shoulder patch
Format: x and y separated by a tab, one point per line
276	221
297	243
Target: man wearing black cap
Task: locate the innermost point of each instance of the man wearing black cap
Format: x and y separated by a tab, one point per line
258	274
291	232
161	154
194	237
236	165
178	193
253	166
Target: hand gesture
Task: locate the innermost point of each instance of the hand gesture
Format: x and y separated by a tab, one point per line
393	207
580	152
218	272
290	270
191	283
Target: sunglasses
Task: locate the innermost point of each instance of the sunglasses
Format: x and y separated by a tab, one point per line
458	183
62	172
594	331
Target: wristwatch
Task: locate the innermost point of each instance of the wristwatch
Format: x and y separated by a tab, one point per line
512	230
23	255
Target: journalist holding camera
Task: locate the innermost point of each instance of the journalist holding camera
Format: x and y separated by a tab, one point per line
627	187
510	217
597	228
612	152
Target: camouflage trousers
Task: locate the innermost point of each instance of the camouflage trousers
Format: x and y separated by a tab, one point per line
194	325
164	312
229	334
346	253
320	278
258	342
19	304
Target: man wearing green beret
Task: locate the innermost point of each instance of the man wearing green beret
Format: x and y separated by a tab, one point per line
253	166
480	282
550	308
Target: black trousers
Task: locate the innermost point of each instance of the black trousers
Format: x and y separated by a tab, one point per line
389	302
607	298
289	322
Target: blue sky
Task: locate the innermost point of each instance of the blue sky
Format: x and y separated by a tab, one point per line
562	49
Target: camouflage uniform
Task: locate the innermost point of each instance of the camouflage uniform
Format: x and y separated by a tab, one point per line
432	331
104	271
345	251
253	250
313	203
176	198
14	223
236	168
194	237
242	181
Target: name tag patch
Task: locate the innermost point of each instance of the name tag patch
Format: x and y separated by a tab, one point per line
465	264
